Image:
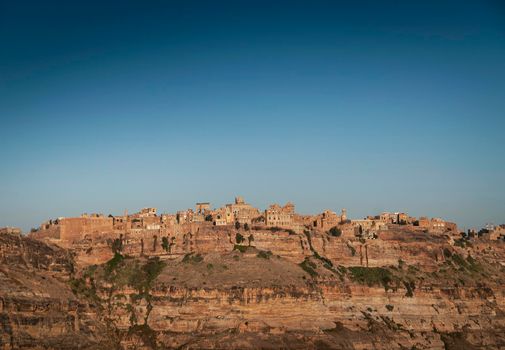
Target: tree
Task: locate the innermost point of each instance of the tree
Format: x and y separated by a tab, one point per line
117	245
246	227
208	217
155	242
335	231
237	225
239	238
250	239
164	243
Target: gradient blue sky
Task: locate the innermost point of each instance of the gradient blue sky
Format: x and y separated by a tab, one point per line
372	106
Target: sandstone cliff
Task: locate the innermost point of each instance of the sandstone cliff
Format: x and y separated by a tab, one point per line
211	290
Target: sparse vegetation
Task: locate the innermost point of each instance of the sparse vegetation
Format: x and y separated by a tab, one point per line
371	276
401	263
309	267
239	238
165	244
410	287
192	258
144	332
240	248
264	254
117	245
335	231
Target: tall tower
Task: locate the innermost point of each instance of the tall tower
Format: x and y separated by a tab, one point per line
343	217
126	228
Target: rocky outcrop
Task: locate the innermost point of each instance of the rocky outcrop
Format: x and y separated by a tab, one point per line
212	288
37	306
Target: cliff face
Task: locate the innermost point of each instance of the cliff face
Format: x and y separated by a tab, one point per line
210	290
412	248
245	298
37	307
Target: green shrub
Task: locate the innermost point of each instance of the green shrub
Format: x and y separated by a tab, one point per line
335	231
113	263
191	258
152	269
164	243
459	260
371	276
401	263
239	238
309	267
144	332
389	307
240	248
342	269
264	254
410	286
460	243
323	259
117	245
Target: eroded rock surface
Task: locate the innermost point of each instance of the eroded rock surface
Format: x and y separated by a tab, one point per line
279	290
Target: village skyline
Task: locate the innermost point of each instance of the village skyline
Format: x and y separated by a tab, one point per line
213	208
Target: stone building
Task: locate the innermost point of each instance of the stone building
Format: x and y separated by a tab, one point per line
75	229
283	217
10	230
147	212
328	219
497	233
239	211
368	227
184	216
168	220
395	218
436	225
202	208
220	217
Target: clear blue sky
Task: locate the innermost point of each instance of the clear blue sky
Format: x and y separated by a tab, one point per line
372	106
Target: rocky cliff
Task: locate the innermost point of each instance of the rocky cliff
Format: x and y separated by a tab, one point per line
213	288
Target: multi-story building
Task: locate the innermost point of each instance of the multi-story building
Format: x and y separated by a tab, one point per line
277	216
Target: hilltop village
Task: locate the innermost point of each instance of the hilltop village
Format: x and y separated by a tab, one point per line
237	277
181	232
148	223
